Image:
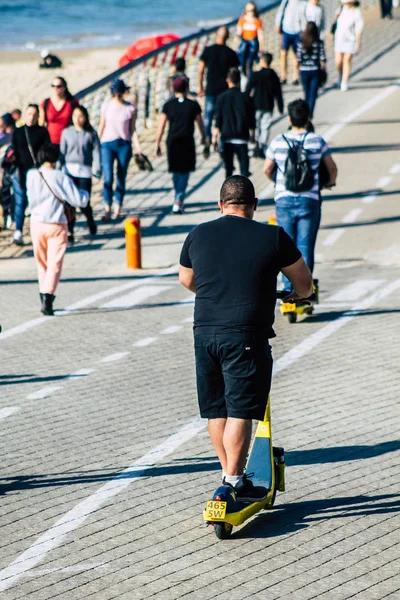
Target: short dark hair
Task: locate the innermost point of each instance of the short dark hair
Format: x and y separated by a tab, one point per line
267	56
180	64
299	113
234	75
48	153
237	189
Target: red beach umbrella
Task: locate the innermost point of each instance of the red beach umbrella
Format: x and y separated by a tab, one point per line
146	45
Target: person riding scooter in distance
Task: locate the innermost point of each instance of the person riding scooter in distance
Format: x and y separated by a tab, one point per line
231	264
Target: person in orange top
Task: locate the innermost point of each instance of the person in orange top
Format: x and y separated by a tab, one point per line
251	35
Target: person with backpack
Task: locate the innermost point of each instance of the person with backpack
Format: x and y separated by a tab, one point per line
312	61
56	111
265	88
293	161
80	159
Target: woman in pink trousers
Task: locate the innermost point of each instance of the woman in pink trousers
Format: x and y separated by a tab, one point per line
47	190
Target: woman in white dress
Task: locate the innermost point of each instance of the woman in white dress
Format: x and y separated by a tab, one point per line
349	27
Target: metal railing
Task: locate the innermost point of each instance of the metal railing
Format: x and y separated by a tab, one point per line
148	75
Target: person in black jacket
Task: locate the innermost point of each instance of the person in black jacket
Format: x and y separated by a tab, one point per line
265	87
234	124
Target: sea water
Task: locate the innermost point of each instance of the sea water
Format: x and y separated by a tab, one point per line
54	24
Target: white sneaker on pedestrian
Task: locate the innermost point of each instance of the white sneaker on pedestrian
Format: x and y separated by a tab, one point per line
177	208
17	239
344	87
9	222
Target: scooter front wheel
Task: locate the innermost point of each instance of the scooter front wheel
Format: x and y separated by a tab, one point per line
223	530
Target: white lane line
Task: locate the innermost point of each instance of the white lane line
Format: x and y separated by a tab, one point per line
171	329
188	319
333	237
352	215
383	182
305	347
369	199
325	305
332	131
7	411
55	535
44	392
395	169
80	373
356	290
84	302
114	357
136	297
145	342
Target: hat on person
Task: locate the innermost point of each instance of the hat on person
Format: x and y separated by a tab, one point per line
180	85
44	53
118	86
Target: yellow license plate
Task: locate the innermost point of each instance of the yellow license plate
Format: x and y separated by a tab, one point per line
215	510
288	307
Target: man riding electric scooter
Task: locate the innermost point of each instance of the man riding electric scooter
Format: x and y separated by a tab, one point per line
231	264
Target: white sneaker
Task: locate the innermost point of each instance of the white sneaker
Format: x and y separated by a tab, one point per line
344	87
17	239
9	222
177	208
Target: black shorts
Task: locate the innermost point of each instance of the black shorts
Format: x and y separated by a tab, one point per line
233	372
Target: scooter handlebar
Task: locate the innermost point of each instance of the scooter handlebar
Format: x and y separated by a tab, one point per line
287	297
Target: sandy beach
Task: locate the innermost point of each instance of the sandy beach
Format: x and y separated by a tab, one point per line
24	82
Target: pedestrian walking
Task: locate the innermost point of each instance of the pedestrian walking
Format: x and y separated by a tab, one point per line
181	114
27	142
290	22
179	71
349	25
231	264
312	62
251	38
386	9
56	111
117	131
80	159
234	124
48	190
265	88
217	60
315	12
294	160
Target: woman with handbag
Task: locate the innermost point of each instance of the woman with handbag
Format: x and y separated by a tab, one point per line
27	141
48	191
347	28
312	62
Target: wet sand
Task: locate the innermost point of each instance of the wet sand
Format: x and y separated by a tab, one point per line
23	81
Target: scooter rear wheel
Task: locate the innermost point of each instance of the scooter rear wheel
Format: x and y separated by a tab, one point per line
223	530
292	317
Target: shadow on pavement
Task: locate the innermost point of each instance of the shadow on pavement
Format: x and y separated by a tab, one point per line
323	317
289	518
30	482
339	453
354	195
381	221
365	148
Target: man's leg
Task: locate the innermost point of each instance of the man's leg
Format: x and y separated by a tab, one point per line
228	159
21	202
309	216
236	443
209	110
216	429
266	121
242	152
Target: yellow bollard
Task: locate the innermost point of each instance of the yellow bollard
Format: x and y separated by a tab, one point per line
133	243
272	219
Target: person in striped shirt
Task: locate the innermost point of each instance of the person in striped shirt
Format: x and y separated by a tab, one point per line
312	62
299	213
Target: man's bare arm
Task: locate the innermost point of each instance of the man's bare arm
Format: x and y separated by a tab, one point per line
332	170
269	168
186	278
300	277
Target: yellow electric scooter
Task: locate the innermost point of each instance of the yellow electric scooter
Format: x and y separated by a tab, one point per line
292	308
267	466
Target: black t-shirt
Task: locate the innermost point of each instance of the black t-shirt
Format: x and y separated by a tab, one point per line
236	262
181	114
218	60
38	136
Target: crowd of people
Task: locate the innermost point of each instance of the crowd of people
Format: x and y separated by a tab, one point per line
52	151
